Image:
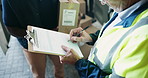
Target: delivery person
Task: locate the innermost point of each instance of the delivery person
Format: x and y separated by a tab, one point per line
17	14
120	49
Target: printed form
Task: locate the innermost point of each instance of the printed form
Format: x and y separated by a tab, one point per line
50	42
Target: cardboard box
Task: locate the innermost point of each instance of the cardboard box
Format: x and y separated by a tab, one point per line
68	17
82	6
85	22
85	49
92	29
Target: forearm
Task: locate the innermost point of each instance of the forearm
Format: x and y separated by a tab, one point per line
87	69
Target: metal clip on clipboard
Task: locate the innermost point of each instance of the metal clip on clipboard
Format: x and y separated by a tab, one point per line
32	37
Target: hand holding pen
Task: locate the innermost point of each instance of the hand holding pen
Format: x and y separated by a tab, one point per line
79	35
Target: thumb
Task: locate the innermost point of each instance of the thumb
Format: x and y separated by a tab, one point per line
65	48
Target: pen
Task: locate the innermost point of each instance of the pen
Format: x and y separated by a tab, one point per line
78	35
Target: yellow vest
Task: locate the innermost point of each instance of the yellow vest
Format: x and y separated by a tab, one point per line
130	58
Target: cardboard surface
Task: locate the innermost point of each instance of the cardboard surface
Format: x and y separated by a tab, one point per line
85	22
68	17
82	6
85	49
92	29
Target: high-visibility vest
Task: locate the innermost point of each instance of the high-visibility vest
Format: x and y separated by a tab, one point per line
123	52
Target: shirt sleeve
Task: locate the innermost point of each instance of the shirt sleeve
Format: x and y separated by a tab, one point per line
94	37
8	14
87	69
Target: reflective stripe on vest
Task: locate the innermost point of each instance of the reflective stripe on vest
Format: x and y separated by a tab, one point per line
106	66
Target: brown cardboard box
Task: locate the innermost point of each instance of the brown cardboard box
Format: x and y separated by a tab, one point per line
68	17
85	49
92	29
82	6
85	22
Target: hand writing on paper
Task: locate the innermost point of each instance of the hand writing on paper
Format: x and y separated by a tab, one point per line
79	35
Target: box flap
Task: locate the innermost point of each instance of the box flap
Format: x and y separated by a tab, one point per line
73	1
63	0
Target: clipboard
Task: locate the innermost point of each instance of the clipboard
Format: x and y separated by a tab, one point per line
52	39
30	38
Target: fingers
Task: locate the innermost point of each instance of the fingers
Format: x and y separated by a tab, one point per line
70	57
65	48
68	50
77	39
61	59
75	31
73	35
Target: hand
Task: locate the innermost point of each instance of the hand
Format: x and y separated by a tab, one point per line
71	56
83	37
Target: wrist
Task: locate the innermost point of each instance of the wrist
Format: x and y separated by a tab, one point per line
78	61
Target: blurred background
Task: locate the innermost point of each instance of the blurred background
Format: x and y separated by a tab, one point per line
12	61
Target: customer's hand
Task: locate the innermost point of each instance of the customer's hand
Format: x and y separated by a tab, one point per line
71	56
83	37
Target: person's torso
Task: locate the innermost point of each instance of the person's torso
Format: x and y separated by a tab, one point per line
41	13
110	37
